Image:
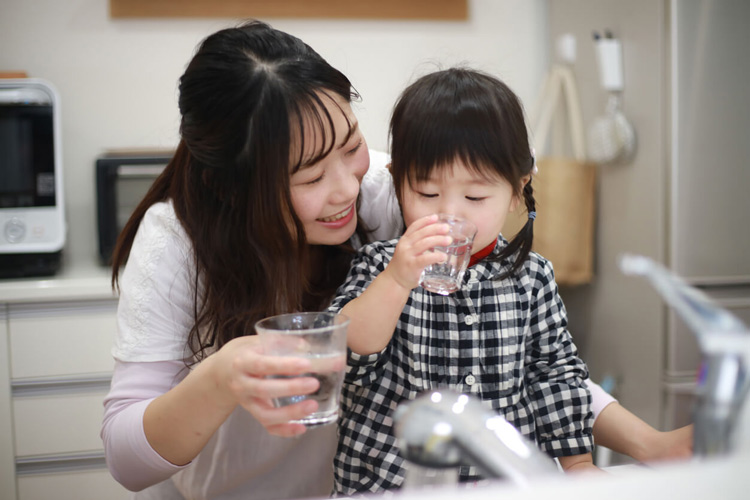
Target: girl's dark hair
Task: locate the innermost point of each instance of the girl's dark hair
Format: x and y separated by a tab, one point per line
246	99
468	116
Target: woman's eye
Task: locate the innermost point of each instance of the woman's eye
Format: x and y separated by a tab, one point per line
355	148
316	180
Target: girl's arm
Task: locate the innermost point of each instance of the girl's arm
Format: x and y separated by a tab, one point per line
374	314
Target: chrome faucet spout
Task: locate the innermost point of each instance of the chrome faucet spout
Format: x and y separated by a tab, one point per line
724	340
443	428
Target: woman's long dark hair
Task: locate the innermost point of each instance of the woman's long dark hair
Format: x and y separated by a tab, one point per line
246	98
464	115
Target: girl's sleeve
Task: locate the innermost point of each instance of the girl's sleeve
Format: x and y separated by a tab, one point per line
555	374
130	458
370	261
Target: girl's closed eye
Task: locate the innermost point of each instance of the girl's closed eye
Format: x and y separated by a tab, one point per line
426	195
476	198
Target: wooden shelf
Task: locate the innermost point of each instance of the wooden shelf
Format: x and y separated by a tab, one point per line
449	10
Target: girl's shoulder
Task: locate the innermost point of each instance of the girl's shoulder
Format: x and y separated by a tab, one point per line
537	271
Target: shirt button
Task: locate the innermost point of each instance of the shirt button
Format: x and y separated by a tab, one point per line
470	319
470	379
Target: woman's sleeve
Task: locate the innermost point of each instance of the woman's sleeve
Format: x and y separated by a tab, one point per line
600	399
378	206
130	458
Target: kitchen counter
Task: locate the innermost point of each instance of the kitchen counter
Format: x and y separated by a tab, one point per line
91	282
724	479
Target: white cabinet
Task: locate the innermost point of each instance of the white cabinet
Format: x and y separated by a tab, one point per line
55	369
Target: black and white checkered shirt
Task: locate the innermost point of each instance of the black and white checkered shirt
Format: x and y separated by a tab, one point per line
505	342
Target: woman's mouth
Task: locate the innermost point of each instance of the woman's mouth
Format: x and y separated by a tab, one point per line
340	218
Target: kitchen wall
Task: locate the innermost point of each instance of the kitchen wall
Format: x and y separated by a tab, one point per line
618	320
118	78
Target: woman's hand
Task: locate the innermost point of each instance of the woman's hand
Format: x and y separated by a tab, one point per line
241	368
413	252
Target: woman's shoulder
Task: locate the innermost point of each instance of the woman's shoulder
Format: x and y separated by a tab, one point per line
379	208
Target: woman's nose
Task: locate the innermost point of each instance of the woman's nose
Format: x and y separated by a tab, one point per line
347	184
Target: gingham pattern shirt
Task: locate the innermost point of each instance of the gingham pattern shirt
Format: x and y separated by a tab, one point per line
505	342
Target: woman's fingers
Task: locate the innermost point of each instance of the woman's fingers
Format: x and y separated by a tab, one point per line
279	419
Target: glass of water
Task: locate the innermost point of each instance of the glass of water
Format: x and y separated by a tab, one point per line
446	277
319	337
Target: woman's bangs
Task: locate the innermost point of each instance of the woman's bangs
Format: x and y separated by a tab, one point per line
313	130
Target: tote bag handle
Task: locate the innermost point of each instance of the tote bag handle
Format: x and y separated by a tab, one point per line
560	81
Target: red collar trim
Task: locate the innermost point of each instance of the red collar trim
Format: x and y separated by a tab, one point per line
481	254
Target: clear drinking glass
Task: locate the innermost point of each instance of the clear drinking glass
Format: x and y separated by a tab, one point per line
319	337
446	277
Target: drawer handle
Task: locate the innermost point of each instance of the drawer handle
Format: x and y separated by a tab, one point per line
38	387
27	466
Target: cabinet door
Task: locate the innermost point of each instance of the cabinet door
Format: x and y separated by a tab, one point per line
7	461
710	120
62	338
95	484
63	422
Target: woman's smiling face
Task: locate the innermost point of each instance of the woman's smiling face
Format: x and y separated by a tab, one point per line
324	194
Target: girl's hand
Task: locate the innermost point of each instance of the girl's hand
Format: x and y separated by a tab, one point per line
241	371
414	251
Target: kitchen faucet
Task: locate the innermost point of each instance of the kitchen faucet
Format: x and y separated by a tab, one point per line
442	428
721	417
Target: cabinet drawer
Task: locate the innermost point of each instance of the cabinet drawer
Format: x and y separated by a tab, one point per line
683	351
61	339
71	485
60	423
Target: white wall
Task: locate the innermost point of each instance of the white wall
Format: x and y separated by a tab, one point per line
118	78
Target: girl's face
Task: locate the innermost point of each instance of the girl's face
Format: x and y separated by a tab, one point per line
324	194
460	191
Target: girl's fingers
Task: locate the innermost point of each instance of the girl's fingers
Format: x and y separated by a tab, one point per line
421	223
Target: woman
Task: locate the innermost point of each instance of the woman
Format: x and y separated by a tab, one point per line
256	214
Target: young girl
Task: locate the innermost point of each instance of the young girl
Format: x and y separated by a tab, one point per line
459	146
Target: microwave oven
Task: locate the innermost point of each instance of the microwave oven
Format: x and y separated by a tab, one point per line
122	180
32	210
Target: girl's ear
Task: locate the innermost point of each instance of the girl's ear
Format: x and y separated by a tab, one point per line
517	199
389	167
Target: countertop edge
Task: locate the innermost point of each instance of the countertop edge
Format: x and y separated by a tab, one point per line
81	282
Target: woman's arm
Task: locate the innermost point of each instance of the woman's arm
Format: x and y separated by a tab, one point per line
620	430
151	429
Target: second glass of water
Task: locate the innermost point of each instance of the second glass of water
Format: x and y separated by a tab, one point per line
319	337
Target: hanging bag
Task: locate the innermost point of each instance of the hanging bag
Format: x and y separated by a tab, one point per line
564	188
